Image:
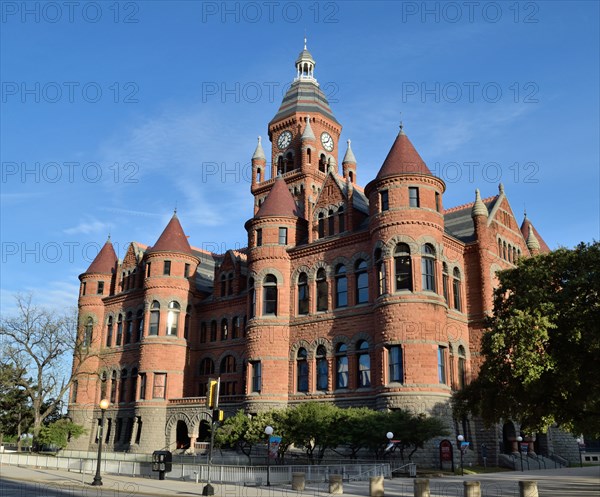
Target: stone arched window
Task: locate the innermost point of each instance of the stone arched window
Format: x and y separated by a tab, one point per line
462	367
235	327
302	370
173	318
341	220
207	367
341	286
322	163
270	295
330	223
123	387
224	329
322	368
119	340
456	289
403	267
341	366
109	331
302	293
322	290
139	325
380	271
428	267
252	297
203	332
223	285
113	388
361	282
128	327
154	318
445	282
227	364
321	225
213	331
363	362
186	324
230	284
87	332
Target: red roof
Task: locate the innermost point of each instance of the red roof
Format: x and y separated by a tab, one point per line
544	249
402	159
279	201
172	239
105	261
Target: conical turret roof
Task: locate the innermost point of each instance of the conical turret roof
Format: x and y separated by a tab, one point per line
349	155
259	153
279	201
172	239
402	159
105	261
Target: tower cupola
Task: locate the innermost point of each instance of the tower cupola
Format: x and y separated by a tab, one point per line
305	66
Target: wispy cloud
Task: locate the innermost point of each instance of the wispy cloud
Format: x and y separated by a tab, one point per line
89	227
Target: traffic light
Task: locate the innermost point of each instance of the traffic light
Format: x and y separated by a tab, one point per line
218	415
212	394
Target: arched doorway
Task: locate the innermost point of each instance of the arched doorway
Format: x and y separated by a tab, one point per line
181	434
509	438
204	431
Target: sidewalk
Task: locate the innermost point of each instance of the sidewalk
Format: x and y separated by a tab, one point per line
566	482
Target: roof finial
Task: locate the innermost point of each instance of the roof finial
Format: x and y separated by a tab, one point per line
500	187
479	208
305	39
108	239
175	209
401	125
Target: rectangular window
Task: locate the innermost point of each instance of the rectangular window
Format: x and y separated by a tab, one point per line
160	385
148	264
442	364
167	268
259	240
256	376
83	285
384	200
142	386
283	236
413	196
395	364
341	377
437	202
100	287
74	392
186	271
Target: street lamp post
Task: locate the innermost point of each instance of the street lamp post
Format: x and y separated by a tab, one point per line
581	446
97	478
269	432
460	439
519	440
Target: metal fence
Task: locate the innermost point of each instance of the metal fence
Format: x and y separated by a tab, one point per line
192	472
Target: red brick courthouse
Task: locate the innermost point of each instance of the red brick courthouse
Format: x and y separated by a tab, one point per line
362	296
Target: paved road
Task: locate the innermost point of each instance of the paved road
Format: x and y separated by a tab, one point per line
30	482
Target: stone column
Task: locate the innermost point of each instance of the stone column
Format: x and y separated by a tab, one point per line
472	489
528	488
422	488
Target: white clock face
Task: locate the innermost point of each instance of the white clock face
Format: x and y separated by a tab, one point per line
327	141
284	140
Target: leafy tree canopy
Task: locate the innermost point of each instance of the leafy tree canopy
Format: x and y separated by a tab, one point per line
542	345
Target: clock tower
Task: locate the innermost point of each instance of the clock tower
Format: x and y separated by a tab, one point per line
304	136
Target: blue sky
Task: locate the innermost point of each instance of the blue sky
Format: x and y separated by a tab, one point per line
113	113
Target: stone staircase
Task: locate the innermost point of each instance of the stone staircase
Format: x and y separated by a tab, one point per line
530	462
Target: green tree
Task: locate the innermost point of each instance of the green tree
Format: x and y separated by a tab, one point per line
234	433
316	427
58	433
542	345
